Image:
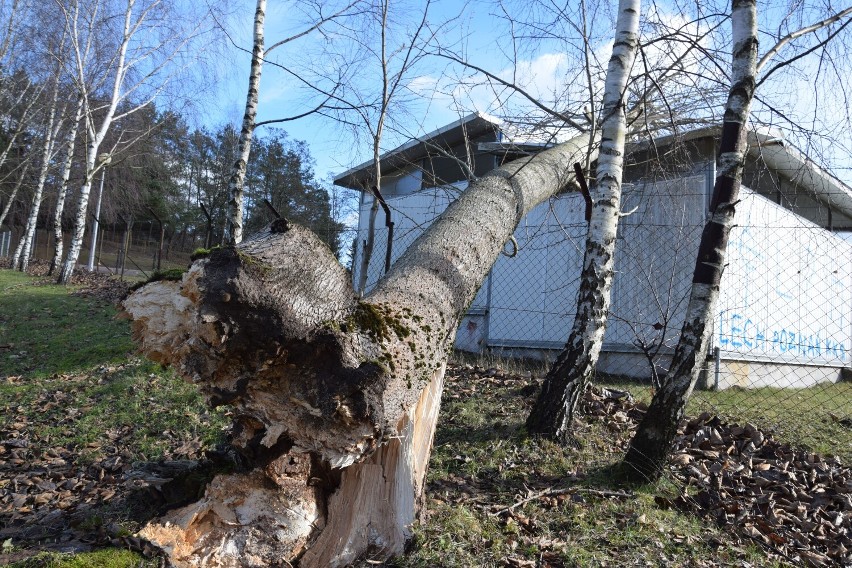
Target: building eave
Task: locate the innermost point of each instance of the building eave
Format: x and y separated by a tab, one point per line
470	126
780	156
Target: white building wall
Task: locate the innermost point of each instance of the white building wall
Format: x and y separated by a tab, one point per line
786	293
534	291
654	261
534	294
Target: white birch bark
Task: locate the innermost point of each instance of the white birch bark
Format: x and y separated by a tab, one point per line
70	143
31	93
21	176
238	172
21	259
96	132
554	409
653	440
10	34
334	398
140	28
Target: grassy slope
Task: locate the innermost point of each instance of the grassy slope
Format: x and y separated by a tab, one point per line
45	331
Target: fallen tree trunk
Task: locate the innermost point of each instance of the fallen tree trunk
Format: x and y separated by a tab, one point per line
334	399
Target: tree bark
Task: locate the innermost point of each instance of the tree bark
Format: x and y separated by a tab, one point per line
21	259
367	247
334	398
23	174
139	42
653	440
554	409
70	141
79	229
238	171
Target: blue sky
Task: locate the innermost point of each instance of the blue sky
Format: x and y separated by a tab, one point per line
478	29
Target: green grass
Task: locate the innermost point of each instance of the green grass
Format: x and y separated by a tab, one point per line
71	376
484	462
70	384
137	403
806	418
45	331
107	558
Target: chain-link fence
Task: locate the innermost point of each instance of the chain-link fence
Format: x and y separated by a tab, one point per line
780	351
130	253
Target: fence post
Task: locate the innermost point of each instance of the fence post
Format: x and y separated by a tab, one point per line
124	245
162	238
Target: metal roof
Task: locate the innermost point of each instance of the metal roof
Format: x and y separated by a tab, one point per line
470	126
778	154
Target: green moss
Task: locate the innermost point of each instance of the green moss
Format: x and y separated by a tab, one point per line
370	320
252	264
171	274
378	323
203	252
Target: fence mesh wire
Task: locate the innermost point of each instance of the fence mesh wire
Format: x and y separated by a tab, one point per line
779	356
127	254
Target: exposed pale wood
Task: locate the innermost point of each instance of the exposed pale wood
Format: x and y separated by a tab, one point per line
378	500
273	329
262	518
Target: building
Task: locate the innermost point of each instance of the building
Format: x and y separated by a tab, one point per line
783	317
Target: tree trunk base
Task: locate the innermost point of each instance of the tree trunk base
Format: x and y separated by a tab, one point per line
290	513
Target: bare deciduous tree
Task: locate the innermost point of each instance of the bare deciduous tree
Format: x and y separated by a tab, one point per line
653	440
238	172
140	64
553	412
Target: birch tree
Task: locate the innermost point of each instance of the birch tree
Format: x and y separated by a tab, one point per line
238	172
69	143
235	184
52	126
395	65
653	440
567	379
21	109
12	14
145	45
21	176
